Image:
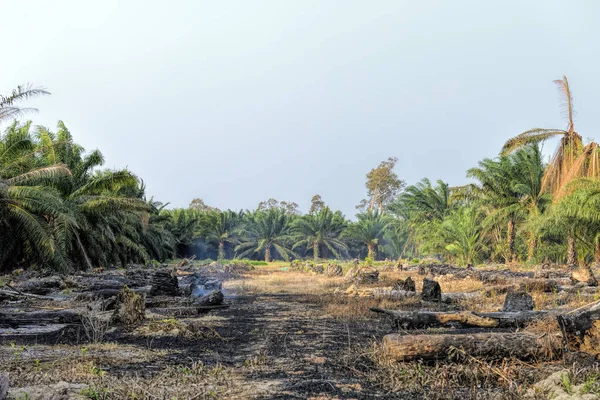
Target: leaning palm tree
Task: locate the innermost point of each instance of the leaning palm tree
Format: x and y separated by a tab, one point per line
569	149
268	231
319	230
368	230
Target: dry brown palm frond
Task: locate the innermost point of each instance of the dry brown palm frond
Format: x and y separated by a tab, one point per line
562	161
566	101
587	165
535	135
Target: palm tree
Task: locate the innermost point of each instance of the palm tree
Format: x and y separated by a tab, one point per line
462	232
569	149
499	195
321	229
268	231
221	228
368	230
422	207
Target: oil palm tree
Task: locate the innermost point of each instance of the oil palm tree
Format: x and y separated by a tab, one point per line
320	230
369	230
267	232
221	228
463	234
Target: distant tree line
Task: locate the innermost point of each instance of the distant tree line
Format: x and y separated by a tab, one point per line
60	210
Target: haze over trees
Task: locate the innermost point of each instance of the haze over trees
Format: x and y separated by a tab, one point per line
60	209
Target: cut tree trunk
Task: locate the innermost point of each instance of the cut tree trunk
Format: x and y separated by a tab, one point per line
426	319
212	299
510	240
493	345
164	283
572	251
581	329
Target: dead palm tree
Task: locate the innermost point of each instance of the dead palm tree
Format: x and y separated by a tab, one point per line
558	173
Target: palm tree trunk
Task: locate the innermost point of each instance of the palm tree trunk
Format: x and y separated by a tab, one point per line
510	240
532	247
316	254
371	251
268	253
221	250
572	251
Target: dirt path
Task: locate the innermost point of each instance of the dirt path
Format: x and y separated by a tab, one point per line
292	349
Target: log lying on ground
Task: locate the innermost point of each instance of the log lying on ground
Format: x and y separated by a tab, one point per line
14	295
14	318
426	319
581	329
493	345
35	333
212	299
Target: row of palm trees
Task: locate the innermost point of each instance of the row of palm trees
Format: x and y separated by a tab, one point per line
277	234
60	210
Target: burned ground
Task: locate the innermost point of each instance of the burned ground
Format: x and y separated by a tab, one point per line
286	335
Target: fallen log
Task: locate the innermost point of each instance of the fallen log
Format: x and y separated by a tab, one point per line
212	299
14	318
10	294
36	333
493	345
581	329
426	319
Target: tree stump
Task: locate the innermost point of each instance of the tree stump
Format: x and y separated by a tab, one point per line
130	308
518	301
367	275
164	283
334	270
407	285
431	290
581	329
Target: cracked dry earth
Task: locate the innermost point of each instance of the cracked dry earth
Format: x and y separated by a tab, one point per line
265	346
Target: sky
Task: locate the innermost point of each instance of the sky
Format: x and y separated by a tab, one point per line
236	102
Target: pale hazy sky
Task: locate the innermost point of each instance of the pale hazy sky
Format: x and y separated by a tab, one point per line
239	101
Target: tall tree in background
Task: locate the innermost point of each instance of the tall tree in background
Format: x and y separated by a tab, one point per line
383	186
199	205
316	204
290	208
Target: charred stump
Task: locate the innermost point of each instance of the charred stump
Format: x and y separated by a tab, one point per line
164	283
